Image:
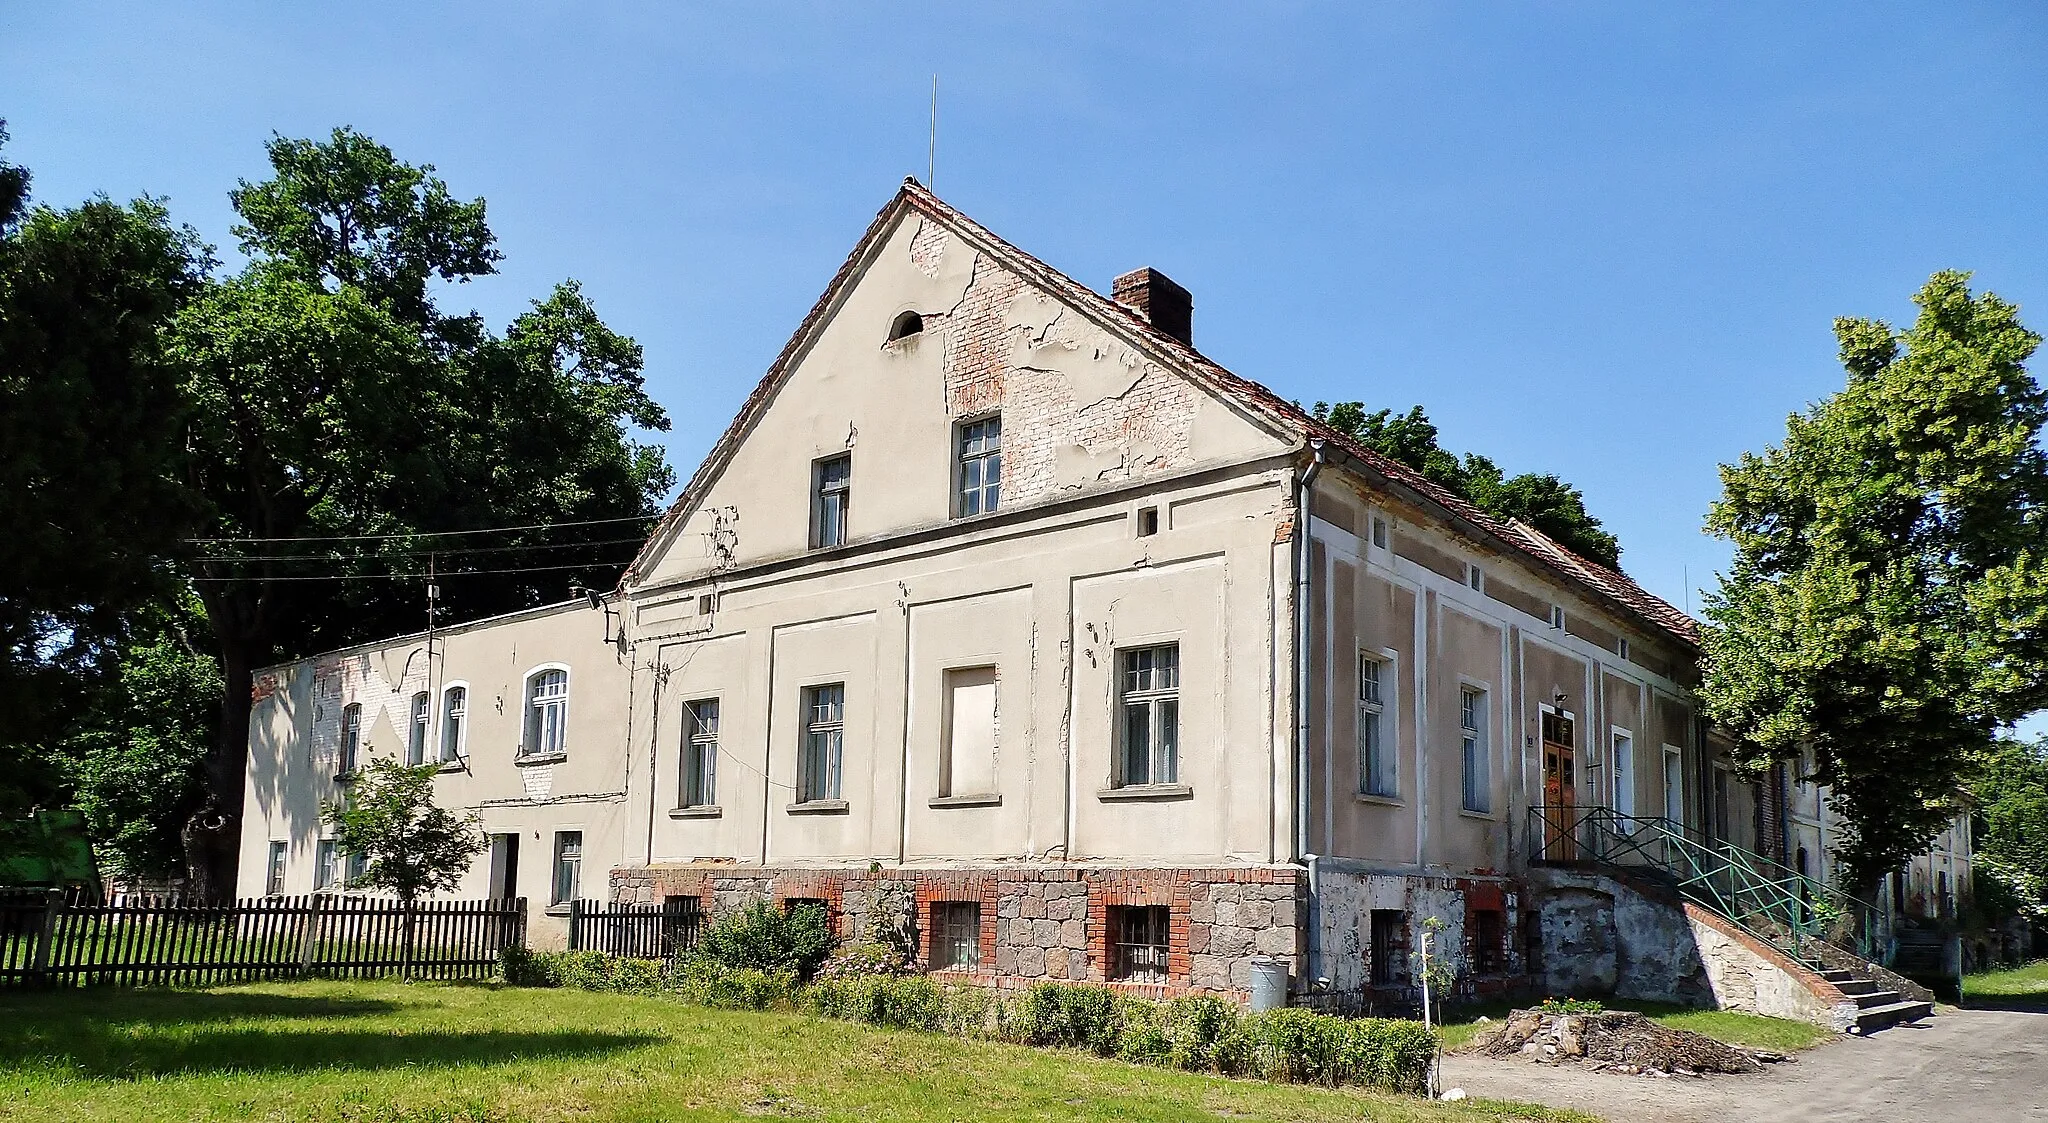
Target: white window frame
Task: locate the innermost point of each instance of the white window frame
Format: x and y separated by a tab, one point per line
531	725
843	490
1621	745
1475	746
328	866
350	756
451	752
830	747
700	748
556	862
1673	753
419	725
1377	714
1162	707
988	493
277	861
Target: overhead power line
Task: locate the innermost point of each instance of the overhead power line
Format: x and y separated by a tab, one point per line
428	533
443	575
440	552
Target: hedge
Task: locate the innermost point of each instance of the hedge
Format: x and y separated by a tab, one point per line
1198	1033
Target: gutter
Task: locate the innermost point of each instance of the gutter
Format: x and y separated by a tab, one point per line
1304	513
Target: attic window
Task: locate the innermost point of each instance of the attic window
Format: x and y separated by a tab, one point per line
905	326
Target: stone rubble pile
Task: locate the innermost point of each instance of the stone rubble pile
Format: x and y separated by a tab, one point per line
1616	1041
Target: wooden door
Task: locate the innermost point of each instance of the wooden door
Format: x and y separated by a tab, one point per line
1560	790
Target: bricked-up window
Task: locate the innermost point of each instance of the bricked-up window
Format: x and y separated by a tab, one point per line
831	499
273	883
1151	715
818	767
547	713
1375	755
968	764
700	753
1478	794
1489	942
956	935
454	720
416	731
568	867
1389	948
980	469
351	738
1138	943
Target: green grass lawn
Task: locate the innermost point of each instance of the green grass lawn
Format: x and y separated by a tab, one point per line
381	1052
2029	982
1731	1026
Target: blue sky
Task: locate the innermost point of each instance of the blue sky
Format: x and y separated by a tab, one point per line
1605	241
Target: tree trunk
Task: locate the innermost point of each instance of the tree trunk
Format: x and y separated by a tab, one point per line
214	833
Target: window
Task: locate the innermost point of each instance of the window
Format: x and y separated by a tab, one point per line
1489	942
351	738
1723	824
1624	774
1621	647
1557	616
1475	577
1375	761
1389	964
326	865
1472	735
273	882
416	732
454	721
700	754
1138	935
1379	533
1148	521
705	602
1674	785
831	498
905	326
568	867
979	474
956	935
353	867
547	713
824	742
1151	715
967	764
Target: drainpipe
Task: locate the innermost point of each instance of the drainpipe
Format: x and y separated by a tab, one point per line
1304	511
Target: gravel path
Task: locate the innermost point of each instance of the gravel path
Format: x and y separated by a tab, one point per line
1961	1066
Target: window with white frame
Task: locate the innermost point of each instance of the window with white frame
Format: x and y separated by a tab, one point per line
351	738
1150	699
568	877
831	499
454	720
416	729
700	754
1624	774
326	864
273	881
1472	727
1375	754
547	713
1674	784
979	472
824	744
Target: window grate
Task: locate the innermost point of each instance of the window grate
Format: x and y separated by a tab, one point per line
1142	943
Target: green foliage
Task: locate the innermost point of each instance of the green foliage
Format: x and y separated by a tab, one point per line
707	984
1888	602
868	958
408	845
1070	1016
761	937
894	1001
1541	500
2010	797
1570	1006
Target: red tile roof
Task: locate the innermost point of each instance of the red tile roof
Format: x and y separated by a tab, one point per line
1605	585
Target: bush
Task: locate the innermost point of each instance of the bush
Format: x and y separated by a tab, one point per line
584	970
896	1002
761	937
1067	1015
1570	1006
725	988
867	958
1196	1028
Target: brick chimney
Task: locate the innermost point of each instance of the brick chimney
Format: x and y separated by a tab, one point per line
1153	295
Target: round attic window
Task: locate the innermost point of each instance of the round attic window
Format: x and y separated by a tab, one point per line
905	326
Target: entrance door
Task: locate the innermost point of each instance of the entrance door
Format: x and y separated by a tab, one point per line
504	866
1560	789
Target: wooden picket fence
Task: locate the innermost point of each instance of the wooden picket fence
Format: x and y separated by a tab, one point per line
651	931
49	940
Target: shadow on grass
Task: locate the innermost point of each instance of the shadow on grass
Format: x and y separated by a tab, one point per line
168	1007
109	1052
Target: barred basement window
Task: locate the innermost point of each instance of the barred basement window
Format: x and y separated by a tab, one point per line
1389	964
1139	940
956	935
1489	942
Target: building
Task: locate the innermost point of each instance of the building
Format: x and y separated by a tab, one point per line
1002	615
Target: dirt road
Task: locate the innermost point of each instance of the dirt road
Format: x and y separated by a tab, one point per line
1961	1066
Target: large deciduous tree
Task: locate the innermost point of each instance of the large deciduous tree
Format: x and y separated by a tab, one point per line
1888	601
1539	499
331	396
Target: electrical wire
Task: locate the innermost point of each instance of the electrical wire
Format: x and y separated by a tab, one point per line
444	552
430	533
440	575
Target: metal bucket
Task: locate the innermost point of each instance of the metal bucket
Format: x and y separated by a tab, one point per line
1269	983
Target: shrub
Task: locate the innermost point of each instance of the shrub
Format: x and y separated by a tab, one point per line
1196	1027
1067	1015
897	1002
1570	1006
584	970
761	937
867	958
727	988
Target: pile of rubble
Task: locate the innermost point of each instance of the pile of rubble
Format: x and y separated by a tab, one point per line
1615	1041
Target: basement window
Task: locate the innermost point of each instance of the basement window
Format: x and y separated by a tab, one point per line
1139	942
905	326
1489	942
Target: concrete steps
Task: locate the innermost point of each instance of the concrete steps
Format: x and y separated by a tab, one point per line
1876	1006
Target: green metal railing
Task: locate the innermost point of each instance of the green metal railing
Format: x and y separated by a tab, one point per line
1772	901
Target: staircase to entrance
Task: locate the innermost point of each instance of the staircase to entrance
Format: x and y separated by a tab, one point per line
1820	934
